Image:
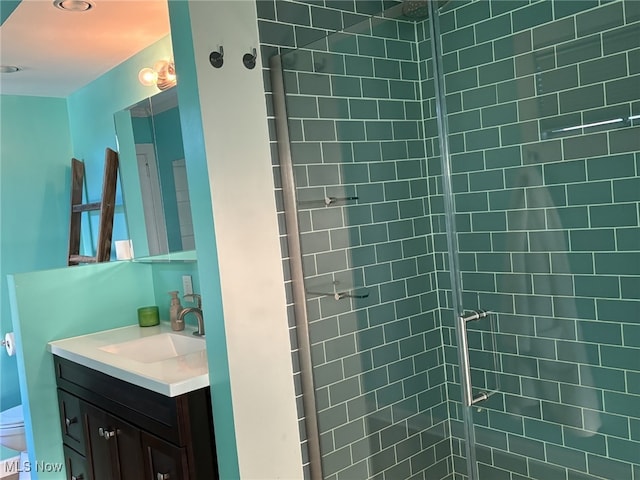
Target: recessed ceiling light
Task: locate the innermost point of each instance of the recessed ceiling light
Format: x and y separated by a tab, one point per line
9	69
73	5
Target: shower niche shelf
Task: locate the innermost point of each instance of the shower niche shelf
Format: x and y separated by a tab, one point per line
341	295
336	291
327	201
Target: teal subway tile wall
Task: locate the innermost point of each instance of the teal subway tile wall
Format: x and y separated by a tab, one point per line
542	101
355	122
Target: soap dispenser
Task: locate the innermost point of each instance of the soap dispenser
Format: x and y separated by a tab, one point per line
175	308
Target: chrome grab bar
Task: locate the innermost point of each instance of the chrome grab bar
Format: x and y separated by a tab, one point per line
465	368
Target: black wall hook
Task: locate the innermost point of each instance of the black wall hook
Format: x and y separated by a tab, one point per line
217	58
249	59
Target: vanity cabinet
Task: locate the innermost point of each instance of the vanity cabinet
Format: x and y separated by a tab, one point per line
114	430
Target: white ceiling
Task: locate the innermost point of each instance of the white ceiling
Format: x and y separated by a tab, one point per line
60	52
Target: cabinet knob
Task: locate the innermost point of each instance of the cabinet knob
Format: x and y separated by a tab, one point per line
69	421
77	477
163	476
106	434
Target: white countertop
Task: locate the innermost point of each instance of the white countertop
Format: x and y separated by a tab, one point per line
172	376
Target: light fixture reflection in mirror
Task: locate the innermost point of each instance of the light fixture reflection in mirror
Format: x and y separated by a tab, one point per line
155	189
162	75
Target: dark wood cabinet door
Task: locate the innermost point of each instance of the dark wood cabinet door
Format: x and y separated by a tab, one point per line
100	455
71	421
163	461
129	450
114	450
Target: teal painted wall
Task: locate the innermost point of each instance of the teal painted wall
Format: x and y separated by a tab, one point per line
70	302
6	8
142	129
35	175
34	186
168	277
92	124
91	121
163	130
170	148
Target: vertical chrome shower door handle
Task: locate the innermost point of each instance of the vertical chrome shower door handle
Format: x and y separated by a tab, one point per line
465	367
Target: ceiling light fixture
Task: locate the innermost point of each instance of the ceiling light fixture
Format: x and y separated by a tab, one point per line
9	69
73	5
162	75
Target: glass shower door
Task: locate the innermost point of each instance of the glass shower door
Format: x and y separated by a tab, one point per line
543	114
357	143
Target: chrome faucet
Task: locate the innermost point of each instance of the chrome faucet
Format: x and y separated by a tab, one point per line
197	311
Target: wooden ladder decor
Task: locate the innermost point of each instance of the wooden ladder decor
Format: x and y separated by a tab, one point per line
106	206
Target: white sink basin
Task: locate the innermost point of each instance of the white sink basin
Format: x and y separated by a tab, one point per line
156	348
156	358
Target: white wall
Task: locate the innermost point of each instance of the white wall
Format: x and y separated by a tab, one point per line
234	120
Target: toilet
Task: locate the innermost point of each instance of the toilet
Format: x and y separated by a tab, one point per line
12	429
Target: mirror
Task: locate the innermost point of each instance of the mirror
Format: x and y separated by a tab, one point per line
153	176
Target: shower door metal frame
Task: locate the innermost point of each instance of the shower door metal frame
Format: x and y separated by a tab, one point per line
295	264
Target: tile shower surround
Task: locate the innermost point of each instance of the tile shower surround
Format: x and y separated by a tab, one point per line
547	227
379	374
